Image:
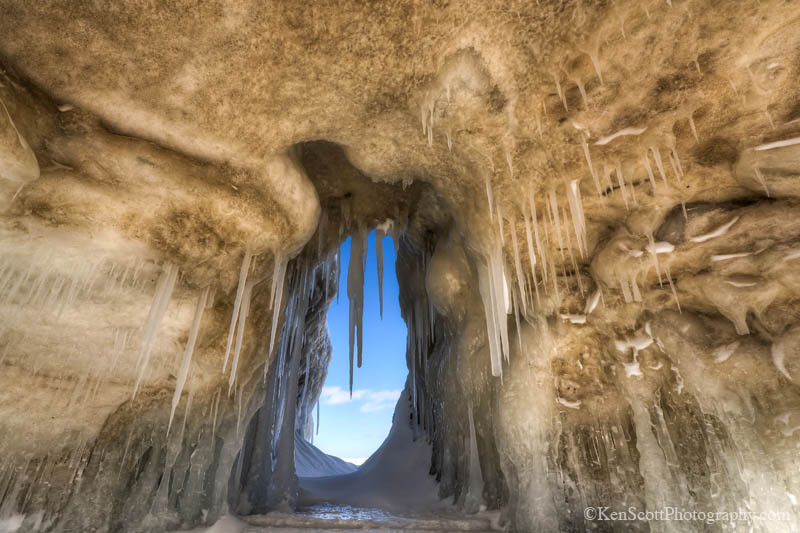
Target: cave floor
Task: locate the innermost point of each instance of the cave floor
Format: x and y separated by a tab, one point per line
331	518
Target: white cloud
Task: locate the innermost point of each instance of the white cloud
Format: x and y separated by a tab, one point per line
371	401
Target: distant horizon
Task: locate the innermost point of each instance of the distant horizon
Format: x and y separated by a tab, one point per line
352	429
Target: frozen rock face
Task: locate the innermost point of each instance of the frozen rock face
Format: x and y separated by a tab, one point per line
596	212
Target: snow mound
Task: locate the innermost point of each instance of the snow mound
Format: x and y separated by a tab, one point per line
310	461
395	478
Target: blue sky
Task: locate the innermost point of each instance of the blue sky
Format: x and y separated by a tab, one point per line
353	429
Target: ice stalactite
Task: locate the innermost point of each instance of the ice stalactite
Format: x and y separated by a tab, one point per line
166	284
654	254
243	312
278	275
355	295
539	247
518	267
578	217
761	180
659	163
531	254
649	169
693	128
188	352
379	258
237	303
560	92
491	279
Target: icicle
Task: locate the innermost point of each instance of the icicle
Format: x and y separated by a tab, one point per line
588	156
355	294
676	165
278	276
244	311
672	288
531	255
539	247
379	257
659	163
761	179
693	128
518	267
578	218
187	354
560	92
649	169
510	165
158	308
582	88
556	220
237	304
449	140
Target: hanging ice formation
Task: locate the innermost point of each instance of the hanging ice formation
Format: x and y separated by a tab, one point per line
244	311
379	233
491	280
278	275
187	354
355	294
237	304
518	267
158	308
578	218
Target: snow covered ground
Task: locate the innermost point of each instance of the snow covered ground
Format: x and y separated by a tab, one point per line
391	491
310	461
395	478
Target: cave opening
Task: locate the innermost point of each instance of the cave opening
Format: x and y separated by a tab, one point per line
352	427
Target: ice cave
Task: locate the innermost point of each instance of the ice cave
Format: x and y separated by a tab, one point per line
595	211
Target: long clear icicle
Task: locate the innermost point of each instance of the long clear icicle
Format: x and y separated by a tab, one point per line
245	268
531	255
278	276
578	218
518	267
379	257
183	373
355	294
243	312
491	285
158	308
539	247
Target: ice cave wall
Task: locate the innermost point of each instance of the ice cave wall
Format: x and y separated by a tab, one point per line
596	212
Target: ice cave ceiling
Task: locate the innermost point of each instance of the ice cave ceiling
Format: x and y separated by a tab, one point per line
596	211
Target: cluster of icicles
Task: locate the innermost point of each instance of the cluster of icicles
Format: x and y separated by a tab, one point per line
562	225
